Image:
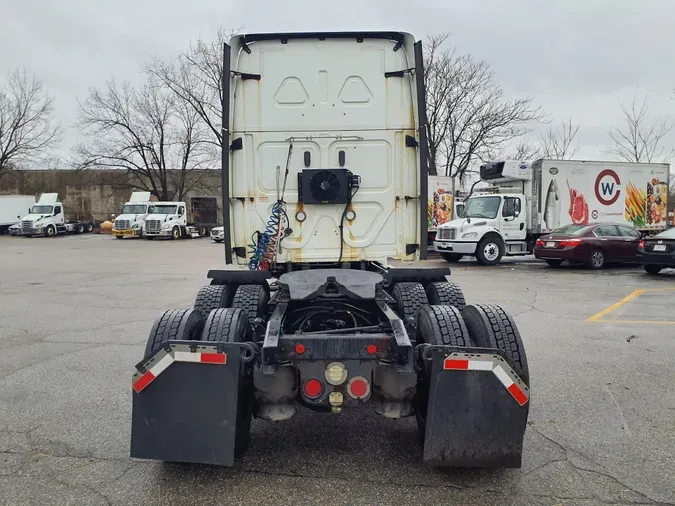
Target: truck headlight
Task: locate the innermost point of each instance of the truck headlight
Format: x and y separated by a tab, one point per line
469	235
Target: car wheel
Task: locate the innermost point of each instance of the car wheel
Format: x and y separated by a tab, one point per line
490	251
597	259
554	263
451	257
652	269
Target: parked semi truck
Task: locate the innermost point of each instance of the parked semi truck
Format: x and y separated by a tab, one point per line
130	222
324	180
12	207
524	201
176	220
48	218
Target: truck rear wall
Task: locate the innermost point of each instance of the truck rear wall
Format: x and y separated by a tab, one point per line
587	191
14	206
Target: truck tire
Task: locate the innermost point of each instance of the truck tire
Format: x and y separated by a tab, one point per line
451	257
253	300
50	231
490	326
437	326
231	325
80	229
490	250
212	297
445	294
119	237
409	298
175	233
90	228
175	325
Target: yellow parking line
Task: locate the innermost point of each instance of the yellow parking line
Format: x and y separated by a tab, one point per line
641	322
615	306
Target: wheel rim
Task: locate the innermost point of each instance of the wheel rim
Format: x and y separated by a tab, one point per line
491	251
50	231
597	258
175	233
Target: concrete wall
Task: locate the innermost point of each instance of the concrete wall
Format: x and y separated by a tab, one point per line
91	194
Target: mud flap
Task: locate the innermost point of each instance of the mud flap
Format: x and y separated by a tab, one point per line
476	412
185	403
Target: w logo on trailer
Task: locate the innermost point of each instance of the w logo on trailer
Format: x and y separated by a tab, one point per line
607	187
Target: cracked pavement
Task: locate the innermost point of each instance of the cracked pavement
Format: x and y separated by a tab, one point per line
76	311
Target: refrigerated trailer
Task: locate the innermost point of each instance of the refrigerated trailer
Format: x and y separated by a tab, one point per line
524	201
324	180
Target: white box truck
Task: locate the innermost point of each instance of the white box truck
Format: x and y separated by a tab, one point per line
524	201
12	207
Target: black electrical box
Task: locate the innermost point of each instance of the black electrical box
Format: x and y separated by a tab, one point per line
325	186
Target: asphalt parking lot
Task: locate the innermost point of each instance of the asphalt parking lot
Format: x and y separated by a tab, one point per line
74	317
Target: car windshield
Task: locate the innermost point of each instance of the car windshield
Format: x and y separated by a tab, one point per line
134	209
482	207
41	210
164	209
571	230
666	234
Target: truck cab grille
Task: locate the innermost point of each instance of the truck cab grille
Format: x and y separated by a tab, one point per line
446	234
122	224
26	225
153	225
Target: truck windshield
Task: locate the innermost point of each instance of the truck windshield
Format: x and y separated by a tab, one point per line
482	207
41	210
134	209
164	209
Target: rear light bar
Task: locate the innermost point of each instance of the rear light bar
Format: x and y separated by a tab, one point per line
540	243
570	242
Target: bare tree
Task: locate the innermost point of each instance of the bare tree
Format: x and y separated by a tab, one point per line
524	151
640	138
560	143
27	131
157	139
196	79
468	114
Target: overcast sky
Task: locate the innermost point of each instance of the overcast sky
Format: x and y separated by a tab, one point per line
577	58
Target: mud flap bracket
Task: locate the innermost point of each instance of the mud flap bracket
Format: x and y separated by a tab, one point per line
477	409
185	402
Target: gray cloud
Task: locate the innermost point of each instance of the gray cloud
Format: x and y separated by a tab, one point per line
575	57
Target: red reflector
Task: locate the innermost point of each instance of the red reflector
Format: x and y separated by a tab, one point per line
358	388
518	394
451	363
213	358
313	388
299	349
372	349
143	381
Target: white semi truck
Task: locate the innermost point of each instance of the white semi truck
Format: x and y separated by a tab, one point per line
135	211
12	207
524	201
48	218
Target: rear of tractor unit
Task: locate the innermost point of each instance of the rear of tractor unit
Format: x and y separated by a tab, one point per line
325	173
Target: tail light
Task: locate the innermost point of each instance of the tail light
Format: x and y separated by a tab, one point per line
540	243
358	387
641	245
313	388
570	242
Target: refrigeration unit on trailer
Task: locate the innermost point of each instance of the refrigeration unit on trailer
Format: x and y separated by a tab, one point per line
12	207
130	222
523	202
324	181
48	218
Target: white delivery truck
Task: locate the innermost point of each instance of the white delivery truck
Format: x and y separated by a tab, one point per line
130	222
12	207
48	218
524	201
